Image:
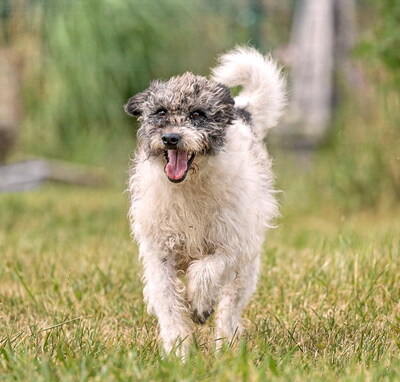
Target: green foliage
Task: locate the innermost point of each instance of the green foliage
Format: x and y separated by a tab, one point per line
388	36
359	168
100	52
97	53
94	54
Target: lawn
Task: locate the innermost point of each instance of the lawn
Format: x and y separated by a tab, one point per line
327	307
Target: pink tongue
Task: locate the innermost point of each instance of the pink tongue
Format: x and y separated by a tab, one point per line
177	164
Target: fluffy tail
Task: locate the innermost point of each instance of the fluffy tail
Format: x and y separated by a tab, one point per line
263	93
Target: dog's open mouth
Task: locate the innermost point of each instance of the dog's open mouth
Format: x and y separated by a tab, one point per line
178	164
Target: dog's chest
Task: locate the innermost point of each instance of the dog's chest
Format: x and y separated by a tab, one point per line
178	220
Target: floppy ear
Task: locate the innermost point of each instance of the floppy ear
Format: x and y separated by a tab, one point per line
134	105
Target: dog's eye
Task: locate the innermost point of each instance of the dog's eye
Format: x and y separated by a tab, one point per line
197	114
161	112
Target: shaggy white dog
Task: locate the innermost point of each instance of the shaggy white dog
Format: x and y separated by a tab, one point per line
202	192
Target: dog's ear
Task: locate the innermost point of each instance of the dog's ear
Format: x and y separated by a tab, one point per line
134	106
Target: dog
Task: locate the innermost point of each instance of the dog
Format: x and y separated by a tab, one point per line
202	194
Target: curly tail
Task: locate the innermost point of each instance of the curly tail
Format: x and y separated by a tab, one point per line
263	92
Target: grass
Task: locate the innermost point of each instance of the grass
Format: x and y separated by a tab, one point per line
327	307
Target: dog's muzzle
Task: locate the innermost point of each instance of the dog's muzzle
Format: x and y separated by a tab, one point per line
178	164
178	161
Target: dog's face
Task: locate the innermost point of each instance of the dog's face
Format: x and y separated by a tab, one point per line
182	118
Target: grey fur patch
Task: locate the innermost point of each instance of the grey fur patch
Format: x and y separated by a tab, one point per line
169	107
244	115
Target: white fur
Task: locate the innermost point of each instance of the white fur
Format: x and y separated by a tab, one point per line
199	240
263	93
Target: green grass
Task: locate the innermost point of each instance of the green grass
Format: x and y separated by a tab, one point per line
327	307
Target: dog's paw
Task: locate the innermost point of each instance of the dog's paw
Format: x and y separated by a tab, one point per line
201	317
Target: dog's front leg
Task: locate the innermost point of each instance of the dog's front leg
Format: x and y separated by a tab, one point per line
163	294
206	277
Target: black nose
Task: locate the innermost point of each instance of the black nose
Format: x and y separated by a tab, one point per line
171	140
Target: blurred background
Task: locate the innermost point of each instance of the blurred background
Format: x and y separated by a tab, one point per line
67	67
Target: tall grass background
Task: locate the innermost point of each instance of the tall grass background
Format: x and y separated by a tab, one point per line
94	54
84	59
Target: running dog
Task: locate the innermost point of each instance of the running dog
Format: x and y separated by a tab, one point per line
202	194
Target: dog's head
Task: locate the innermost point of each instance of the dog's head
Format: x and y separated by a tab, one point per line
182	118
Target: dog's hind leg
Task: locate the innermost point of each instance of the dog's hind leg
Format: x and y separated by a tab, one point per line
164	295
234	299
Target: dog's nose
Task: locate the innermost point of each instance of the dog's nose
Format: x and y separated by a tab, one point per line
171	139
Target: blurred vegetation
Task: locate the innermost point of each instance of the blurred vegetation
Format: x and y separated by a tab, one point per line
84	59
359	164
364	156
95	54
101	51
386	44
